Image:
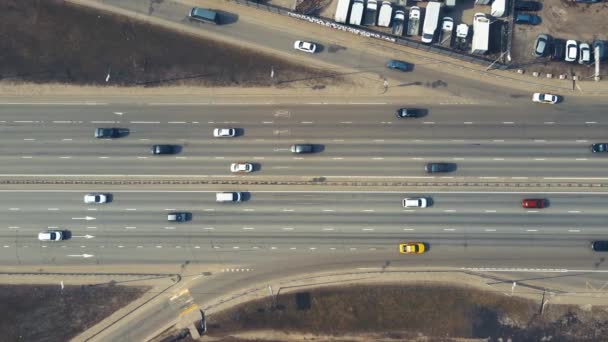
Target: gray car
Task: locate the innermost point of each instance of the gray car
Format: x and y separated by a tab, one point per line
438	167
541	45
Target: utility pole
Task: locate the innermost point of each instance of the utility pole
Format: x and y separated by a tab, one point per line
596	77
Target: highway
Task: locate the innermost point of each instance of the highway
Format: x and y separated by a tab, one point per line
354	141
133	228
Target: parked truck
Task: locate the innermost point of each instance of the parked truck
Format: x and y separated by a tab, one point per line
371	10
498	8
386	11
356	12
481	33
398	22
431	19
462	34
413	23
342	11
447	28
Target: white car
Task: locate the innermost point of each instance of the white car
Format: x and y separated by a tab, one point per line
224	132
241	167
95	198
415	202
545	98
571	50
305	46
51	235
584	53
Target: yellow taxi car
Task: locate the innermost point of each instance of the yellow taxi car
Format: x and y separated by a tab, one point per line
412	248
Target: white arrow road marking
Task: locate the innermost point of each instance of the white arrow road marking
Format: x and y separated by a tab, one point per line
81	255
83	236
88	218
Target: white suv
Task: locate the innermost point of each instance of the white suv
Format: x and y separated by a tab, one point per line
224	132
415	202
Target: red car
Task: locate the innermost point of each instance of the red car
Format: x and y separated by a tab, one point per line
537	203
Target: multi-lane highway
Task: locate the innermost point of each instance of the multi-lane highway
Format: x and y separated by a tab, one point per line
355	141
133	228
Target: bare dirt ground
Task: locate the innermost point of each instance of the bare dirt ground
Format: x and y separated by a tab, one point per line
405	312
50	41
565	20
48	313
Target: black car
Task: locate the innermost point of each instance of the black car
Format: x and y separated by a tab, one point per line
107	132
600	246
164	149
302	148
178	217
600	147
527	6
407	113
438	167
558	51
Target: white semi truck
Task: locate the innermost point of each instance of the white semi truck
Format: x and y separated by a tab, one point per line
371	11
413	23
398	22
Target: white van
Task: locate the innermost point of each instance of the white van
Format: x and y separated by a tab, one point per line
228	197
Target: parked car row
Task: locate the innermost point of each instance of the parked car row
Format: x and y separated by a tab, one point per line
570	50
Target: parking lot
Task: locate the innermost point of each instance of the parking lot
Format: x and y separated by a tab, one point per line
564	20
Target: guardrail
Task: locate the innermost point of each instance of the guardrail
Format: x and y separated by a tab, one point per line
366	32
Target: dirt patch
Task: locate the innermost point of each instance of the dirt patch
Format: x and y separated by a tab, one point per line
406	312
50	41
565	20
48	313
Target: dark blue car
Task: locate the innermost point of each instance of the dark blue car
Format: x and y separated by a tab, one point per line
399	65
527	19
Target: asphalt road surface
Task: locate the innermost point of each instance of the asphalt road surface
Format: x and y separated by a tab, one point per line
133	227
352	141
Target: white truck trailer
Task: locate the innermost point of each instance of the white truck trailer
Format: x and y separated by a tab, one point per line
356	12
342	11
498	9
431	19
481	33
398	22
413	23
386	11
